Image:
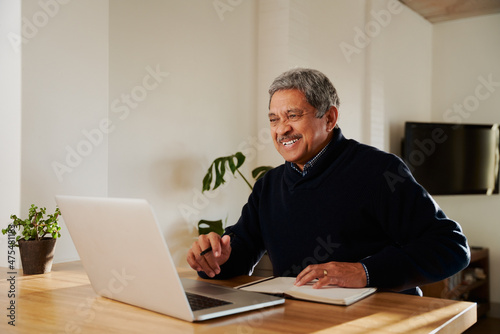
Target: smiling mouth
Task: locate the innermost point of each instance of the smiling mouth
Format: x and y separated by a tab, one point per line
291	142
288	141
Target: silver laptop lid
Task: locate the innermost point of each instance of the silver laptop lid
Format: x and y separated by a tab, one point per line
115	240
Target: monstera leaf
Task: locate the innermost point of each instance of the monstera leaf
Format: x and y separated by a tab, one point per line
217	170
215	178
207	226
259	172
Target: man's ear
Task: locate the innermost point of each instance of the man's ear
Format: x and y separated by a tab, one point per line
332	115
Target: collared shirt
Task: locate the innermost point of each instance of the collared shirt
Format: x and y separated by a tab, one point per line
310	163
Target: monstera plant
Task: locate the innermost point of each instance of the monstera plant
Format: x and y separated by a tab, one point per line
215	177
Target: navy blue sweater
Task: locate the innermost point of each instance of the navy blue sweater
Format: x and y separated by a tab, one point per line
357	204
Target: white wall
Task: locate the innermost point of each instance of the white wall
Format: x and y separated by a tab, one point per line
406	70
467	53
308	34
64	98
10	112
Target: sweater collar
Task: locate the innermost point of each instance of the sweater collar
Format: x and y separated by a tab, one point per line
322	160
310	164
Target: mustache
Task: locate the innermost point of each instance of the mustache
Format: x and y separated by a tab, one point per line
288	138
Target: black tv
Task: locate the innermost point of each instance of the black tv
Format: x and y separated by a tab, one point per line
452	159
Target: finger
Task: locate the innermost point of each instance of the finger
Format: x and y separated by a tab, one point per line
207	261
212	259
209	265
215	243
299	280
307	275
191	260
203	242
302	274
196	261
326	280
226	244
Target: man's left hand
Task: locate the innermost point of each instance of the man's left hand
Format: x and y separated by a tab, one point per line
343	274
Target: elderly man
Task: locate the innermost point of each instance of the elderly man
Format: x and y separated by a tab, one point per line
332	211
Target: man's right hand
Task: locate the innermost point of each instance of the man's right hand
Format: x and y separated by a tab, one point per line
210	262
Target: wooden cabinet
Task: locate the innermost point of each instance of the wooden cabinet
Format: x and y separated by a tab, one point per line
471	284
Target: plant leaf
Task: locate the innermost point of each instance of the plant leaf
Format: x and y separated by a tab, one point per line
231	165
219	177
207	180
259	172
240	159
207	226
36	226
222	171
217	170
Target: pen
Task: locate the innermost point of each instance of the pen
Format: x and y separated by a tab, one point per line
209	249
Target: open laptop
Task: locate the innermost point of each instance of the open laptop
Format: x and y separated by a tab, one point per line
127	259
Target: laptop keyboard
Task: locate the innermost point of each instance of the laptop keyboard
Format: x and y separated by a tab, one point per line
199	302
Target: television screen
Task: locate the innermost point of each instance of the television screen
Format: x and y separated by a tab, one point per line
448	159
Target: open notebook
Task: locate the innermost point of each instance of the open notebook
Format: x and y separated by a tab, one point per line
328	294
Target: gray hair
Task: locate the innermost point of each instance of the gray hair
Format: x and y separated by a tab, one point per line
318	89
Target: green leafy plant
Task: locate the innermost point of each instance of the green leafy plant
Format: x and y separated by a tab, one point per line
36	226
217	171
207	226
215	177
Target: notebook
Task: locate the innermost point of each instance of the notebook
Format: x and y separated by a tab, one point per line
329	294
127	259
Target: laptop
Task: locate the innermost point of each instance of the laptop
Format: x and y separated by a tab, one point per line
127	259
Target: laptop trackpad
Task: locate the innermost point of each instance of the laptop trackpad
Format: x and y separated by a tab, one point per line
204	287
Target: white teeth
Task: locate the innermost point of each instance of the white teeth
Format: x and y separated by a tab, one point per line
290	142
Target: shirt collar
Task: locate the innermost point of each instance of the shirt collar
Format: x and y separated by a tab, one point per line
310	164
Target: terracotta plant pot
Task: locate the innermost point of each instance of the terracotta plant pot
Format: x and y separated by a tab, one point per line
37	255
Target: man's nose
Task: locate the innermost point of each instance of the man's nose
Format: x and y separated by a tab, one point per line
283	128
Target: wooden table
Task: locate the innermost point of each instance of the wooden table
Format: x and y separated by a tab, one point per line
64	302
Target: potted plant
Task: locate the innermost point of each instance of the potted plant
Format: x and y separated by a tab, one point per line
36	239
215	177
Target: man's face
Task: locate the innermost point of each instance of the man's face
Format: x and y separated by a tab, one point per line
297	134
